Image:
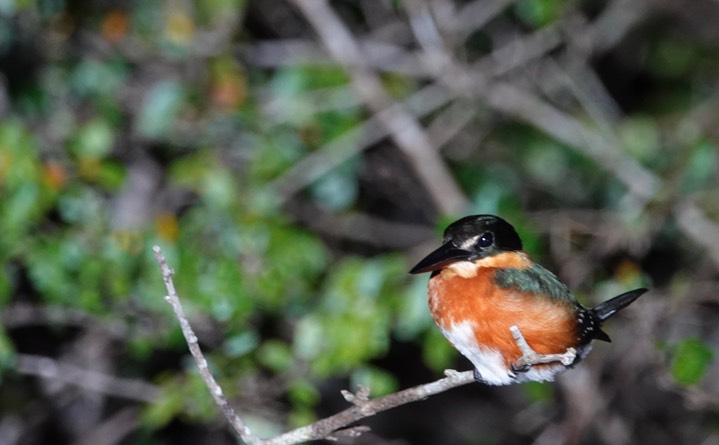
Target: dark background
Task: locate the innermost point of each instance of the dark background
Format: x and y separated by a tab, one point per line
294	159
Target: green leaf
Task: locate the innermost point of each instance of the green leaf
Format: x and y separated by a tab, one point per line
379	381
275	355
539	13
437	352
673	59
336	190
303	393
413	315
159	110
241	344
640	137
166	407
93	140
538	392
7	352
691	359
701	167
351	324
100	78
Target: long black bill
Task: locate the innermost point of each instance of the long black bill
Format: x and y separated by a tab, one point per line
446	254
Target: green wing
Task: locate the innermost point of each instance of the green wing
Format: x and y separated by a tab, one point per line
535	279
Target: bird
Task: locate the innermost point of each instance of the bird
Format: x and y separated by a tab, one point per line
512	318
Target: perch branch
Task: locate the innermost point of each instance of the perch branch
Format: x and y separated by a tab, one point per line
335	425
338	424
364	407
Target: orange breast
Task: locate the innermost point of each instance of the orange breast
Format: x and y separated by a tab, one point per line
547	325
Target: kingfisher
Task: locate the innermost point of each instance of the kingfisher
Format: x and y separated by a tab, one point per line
512	318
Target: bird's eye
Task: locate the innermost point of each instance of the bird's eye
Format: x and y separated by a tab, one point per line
485	240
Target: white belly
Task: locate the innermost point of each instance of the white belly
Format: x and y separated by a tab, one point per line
489	363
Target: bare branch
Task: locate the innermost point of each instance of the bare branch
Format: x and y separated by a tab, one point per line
365	407
49	368
371	131
383	56
113	430
700	229
565	128
405	131
420	104
328	427
237	424
25	314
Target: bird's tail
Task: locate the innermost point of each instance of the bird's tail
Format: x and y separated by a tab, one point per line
616	304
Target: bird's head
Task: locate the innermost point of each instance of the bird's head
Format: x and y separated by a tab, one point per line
471	238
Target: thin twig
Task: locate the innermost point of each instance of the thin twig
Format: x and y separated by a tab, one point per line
20	315
50	368
364	407
420	104
404	129
237	424
698	227
350	143
113	430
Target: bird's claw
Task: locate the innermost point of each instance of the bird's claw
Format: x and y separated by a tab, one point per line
516	368
530	357
478	377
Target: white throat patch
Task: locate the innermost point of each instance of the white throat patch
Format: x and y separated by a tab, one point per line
465	269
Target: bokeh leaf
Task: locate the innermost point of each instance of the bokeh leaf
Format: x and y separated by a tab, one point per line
690	361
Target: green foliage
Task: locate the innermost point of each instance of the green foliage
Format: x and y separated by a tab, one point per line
378	380
690	361
351	322
276	300
538	392
159	110
701	166
640	137
163	410
275	355
539	13
180	395
437	353
7	352
337	190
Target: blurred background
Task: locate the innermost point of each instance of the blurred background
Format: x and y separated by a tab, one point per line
295	158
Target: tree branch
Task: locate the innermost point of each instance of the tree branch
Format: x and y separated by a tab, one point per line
403	128
329	427
237	424
50	368
365	407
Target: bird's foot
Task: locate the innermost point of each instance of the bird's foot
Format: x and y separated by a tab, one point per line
478	377
530	357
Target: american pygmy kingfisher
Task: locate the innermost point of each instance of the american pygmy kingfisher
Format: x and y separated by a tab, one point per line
512	318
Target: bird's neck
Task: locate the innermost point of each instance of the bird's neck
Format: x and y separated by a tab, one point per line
504	260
